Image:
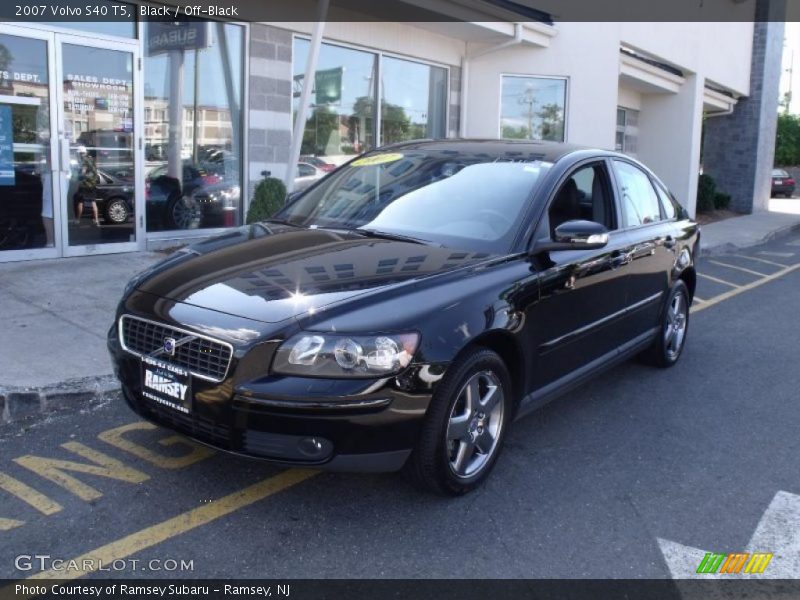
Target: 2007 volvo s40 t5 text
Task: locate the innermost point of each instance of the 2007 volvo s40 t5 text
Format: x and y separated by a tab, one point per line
405	309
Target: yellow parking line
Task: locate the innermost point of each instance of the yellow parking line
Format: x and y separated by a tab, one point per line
762	260
722	264
718	280
155	534
744	288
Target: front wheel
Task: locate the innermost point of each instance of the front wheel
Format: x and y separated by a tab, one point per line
465	426
668	345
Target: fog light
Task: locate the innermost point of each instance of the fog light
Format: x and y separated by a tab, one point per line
311	447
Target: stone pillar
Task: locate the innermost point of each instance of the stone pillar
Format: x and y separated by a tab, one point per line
739	149
270	103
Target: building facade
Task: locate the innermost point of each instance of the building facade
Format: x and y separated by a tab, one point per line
180	122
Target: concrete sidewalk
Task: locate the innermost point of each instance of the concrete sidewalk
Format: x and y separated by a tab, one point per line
57	314
748	230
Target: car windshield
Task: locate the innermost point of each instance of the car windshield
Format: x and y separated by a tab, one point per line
472	201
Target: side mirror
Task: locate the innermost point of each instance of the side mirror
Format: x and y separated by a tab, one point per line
575	235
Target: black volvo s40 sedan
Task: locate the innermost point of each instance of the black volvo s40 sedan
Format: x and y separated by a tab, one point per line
404	310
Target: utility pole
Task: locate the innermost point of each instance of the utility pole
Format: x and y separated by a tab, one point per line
527	98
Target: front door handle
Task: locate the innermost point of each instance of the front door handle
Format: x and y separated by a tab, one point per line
670	242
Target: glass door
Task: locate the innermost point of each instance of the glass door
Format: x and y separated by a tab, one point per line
28	196
100	170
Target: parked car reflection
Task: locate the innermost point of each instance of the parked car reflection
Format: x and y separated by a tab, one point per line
202	199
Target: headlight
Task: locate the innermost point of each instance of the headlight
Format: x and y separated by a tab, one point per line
339	355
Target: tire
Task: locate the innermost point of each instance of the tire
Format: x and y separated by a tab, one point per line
117	212
449	459
673	327
182	213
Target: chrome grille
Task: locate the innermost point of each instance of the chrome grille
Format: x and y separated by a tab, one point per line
204	357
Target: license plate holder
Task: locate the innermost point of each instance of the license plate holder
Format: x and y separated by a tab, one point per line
167	384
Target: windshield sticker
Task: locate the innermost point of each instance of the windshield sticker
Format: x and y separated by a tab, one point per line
377	159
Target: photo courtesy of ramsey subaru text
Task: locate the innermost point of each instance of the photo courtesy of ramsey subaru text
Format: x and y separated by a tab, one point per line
405	309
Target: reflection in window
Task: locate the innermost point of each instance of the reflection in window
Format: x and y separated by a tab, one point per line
413	97
193	133
340	117
640	204
26	186
533	108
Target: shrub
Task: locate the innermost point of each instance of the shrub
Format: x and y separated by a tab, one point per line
706	193
268	198
722	200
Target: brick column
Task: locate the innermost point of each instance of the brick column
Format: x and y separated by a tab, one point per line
739	149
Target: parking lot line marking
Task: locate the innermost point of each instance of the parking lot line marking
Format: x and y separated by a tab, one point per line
27	494
744	270
155	534
699	299
57	470
6	524
744	288
718	280
761	260
794	243
781	254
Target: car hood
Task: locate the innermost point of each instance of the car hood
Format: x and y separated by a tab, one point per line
270	273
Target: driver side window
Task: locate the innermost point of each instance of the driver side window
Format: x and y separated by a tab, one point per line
585	195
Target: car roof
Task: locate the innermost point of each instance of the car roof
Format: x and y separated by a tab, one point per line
542	150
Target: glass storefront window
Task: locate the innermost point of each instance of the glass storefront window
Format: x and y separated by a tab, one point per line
533	108
413	100
26	186
341	114
193	124
340	119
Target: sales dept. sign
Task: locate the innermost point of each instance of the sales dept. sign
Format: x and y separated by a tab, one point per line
178	35
6	146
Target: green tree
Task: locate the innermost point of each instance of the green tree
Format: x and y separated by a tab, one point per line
787	140
515	133
552	127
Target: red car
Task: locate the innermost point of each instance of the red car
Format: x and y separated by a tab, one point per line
782	183
318	162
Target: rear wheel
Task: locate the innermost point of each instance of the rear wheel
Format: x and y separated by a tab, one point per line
183	213
668	345
465	427
117	211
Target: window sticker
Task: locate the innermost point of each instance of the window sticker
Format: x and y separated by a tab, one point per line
377	159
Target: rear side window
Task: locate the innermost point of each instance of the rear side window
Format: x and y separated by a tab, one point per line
640	204
667	204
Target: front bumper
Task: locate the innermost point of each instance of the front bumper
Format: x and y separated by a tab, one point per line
345	425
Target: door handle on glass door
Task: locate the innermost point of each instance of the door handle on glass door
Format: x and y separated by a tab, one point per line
64	146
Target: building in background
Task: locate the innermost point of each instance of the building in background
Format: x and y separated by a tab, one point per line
183	120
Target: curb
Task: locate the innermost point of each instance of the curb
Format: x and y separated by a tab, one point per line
19	405
731	247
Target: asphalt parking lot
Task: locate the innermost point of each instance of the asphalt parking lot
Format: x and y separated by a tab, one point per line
635	475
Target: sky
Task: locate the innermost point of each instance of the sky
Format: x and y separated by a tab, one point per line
791	45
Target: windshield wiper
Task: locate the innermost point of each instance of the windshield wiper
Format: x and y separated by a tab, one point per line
385	235
283	222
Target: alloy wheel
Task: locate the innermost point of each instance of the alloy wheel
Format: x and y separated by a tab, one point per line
475	424
675	326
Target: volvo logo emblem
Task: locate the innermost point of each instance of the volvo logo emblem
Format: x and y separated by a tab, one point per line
169	346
